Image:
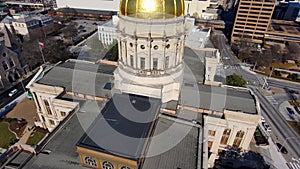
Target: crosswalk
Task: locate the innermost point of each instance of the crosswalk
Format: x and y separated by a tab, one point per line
294	165
272	100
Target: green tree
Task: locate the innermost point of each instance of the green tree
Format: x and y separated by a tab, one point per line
235	80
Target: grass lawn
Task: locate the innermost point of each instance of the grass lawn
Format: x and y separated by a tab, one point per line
295	126
7	138
283	65
35	138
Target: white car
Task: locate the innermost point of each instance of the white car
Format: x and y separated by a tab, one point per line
266	126
263	119
11	93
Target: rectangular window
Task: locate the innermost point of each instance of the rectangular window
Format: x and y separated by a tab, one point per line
167	62
142	63
211	132
225	136
131	60
47	106
238	138
155	63
63	114
51	122
210	143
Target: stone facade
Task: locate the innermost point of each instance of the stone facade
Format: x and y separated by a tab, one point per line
150	57
50	109
10	69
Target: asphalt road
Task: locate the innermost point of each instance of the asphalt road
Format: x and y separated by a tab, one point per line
283	84
6	99
281	130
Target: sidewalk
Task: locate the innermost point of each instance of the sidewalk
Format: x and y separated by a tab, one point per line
271	155
26	135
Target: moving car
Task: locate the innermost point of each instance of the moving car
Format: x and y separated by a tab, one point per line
13	92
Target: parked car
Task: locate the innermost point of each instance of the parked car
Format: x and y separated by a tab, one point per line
13	92
294	92
266	126
291	111
281	148
263	119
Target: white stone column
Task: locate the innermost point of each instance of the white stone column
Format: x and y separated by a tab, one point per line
232	135
247	138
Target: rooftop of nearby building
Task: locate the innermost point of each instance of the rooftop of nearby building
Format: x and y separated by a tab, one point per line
284	27
87	11
111	23
125	117
174	145
218	98
194	66
81	77
63	144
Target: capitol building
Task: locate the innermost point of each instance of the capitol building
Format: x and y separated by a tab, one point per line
161	106
151	43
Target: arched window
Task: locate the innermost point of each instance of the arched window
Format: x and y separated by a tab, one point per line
90	161
107	165
11	62
4	64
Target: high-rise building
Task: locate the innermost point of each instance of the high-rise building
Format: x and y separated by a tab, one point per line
252	20
288	11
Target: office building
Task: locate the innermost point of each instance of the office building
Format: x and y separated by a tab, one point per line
252	20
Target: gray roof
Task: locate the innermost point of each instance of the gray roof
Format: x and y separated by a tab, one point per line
63	144
194	67
63	149
7	20
174	145
18	159
80	77
218	98
125	120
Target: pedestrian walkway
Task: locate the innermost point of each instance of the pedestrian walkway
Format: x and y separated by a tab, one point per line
294	165
272	100
271	155
26	134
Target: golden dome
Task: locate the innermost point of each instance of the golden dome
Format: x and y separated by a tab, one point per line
152	9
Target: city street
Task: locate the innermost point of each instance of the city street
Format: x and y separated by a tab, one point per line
281	130
6	99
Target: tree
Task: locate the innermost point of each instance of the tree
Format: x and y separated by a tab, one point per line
235	80
53	52
233	158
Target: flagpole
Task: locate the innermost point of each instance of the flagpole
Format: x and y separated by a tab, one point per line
41	52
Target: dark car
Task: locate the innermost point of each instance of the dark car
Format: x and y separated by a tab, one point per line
291	112
281	148
294	92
